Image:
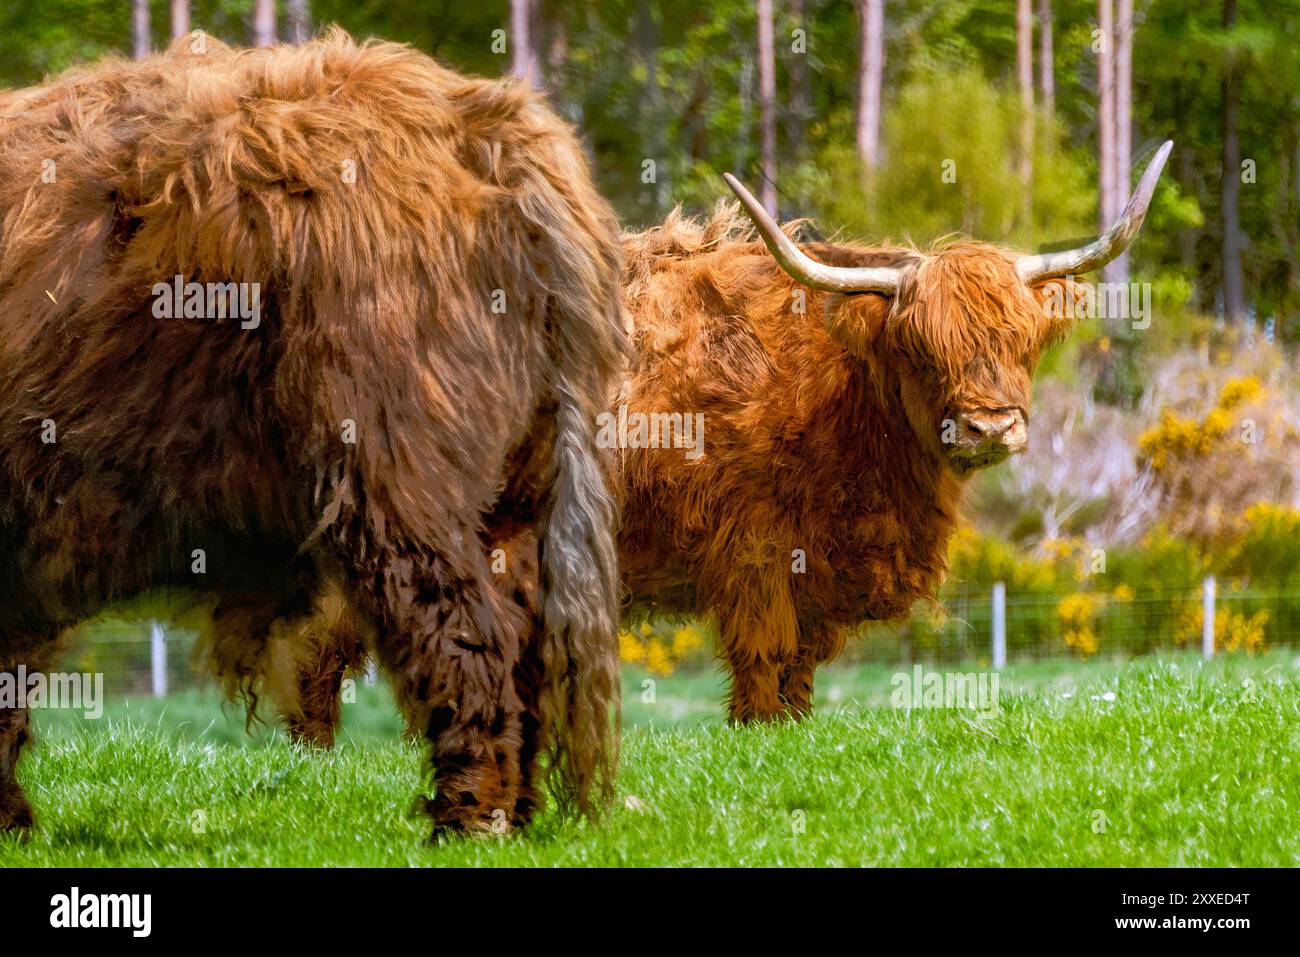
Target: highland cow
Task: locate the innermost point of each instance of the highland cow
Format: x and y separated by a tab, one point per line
847	394
438	325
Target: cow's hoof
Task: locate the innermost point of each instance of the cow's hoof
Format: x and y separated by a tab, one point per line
16	815
312	736
466	821
478	830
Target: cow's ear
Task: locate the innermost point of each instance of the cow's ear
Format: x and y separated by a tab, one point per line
1059	302
855	321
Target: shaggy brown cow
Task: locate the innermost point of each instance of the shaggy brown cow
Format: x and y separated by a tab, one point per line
846	398
437	324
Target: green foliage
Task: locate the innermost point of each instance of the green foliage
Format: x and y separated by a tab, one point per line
1267	552
675	82
1161	560
949	167
37	39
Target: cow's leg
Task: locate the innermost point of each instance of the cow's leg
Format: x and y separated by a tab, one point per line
755	688
758	638
15	812
797	683
322	651
33	655
451	644
515	570
817	644
317	712
529	679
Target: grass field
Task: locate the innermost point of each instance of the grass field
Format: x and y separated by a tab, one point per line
1164	762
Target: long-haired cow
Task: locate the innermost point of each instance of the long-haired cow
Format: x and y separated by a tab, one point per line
847	393
419	287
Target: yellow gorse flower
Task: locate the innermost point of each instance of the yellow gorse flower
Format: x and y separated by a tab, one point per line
1233	631
1176	436
1076	612
658	654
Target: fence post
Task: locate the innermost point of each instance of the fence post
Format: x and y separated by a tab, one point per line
999	625
1207	617
158	658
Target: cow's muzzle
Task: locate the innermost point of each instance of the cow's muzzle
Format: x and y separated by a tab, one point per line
985	437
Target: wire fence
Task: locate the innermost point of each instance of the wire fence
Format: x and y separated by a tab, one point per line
993	626
999	626
137	657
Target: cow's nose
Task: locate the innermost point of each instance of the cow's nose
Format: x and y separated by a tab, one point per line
1004	428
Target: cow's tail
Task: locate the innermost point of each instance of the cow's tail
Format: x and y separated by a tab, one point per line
579	611
579	557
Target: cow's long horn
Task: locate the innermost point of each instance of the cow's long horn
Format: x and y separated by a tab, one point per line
1071	262
805	269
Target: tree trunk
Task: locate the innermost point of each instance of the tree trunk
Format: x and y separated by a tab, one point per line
1189	184
1025	79
1046	68
799	108
871	70
551	32
1233	295
523	62
1106	117
298	14
744	138
1123	119
695	130
557	44
653	127
263	23
180	18
767	104
1289	220
142	43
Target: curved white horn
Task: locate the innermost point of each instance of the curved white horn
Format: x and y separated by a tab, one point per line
805	269
1070	262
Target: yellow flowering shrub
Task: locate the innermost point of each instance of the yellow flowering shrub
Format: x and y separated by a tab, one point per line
1176	436
973	557
660	653
1233	631
1262	547
1236	392
630	650
1271	518
1077	612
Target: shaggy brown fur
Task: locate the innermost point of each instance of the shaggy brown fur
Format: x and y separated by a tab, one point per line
824	438
176	436
822	434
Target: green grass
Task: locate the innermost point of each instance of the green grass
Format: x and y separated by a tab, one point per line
1189	764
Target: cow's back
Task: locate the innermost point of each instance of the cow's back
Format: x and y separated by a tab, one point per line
407	227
